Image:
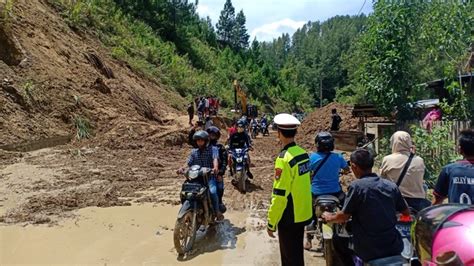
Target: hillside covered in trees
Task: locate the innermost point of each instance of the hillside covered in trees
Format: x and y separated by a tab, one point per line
380	58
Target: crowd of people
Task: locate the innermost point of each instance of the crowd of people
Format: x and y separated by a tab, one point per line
371	203
205	108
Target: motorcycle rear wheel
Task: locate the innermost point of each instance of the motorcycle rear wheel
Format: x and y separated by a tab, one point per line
185	233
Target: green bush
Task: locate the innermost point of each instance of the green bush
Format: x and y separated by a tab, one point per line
435	148
83	127
6	13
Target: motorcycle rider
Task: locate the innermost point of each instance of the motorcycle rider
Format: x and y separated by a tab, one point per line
206	155
240	140
325	166
373	203
254	123
214	135
198	126
264	122
393	165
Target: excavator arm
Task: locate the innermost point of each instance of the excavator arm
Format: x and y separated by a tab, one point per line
243	97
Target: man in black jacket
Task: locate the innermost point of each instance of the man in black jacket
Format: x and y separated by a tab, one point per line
241	140
373	203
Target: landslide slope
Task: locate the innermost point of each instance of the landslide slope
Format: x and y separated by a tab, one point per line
53	78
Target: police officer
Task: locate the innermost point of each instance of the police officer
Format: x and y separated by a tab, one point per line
291	207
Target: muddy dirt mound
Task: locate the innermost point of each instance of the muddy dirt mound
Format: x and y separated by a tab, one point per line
51	77
320	120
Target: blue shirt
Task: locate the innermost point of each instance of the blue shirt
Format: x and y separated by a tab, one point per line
456	181
203	158
327	178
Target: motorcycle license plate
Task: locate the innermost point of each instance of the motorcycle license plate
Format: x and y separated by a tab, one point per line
404	229
327	231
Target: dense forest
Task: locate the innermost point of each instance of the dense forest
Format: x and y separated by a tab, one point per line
380	58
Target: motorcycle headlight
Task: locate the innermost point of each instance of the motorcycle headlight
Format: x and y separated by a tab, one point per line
193	174
239	160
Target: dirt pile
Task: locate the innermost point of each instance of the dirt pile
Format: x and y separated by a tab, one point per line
320	120
51	76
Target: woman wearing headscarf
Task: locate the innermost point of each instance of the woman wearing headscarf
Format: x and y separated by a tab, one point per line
411	185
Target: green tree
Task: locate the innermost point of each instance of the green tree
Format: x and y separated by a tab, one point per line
240	36
226	24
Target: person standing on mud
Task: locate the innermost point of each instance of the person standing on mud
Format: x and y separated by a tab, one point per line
336	120
191	113
290	210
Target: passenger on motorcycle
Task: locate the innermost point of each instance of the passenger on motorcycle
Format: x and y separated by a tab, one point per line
241	140
394	164
214	135
325	166
206	156
373	203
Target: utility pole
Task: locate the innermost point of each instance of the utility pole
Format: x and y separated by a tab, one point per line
320	93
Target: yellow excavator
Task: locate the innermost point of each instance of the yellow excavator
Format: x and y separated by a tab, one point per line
238	91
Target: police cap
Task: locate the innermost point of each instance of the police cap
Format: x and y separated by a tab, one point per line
286	121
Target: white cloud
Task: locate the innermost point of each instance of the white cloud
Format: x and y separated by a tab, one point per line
273	30
204	11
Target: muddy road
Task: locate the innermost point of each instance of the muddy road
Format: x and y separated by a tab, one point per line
115	202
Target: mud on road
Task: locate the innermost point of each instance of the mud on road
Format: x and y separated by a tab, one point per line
58	195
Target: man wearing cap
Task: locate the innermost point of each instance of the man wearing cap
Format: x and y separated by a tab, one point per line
291	207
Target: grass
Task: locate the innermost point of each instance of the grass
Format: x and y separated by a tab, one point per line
83	127
7	12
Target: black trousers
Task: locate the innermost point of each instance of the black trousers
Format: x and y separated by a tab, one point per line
291	245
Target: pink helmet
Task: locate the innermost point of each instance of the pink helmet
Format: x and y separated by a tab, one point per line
445	228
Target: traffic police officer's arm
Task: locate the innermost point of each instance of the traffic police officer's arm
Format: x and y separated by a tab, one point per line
281	189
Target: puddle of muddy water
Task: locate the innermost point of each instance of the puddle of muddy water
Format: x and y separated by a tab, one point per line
134	235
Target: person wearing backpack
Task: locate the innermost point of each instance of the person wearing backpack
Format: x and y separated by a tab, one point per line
406	169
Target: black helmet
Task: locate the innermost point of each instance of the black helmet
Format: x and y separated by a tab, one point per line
324	141
240	123
214	130
201	134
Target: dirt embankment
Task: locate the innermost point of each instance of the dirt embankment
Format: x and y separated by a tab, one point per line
320	120
54	75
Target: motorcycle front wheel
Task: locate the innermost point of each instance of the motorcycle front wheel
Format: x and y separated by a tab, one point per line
185	232
328	252
241	175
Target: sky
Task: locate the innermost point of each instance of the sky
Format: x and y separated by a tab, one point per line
268	19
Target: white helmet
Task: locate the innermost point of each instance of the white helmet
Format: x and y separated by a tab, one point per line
286	121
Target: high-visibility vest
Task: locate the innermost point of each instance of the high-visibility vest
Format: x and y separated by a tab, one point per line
291	196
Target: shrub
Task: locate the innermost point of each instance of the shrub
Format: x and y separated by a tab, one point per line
83	127
436	148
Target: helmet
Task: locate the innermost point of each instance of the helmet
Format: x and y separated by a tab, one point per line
240	123
214	130
201	134
324	141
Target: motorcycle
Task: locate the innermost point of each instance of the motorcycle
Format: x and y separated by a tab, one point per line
196	208
264	129
403	225
254	132
239	168
324	232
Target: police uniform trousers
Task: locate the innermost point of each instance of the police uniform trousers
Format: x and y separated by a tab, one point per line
291	244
